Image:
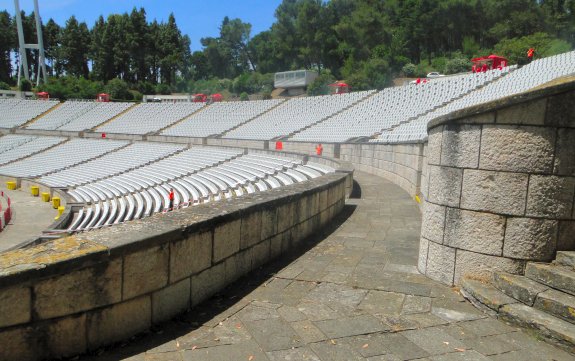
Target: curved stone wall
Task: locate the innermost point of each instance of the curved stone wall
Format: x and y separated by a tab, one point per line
66	296
501	186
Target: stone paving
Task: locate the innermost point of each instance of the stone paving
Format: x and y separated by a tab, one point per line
353	294
30	216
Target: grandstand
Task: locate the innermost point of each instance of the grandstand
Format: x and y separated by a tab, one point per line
490	204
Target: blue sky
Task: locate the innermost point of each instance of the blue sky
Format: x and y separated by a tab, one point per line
196	18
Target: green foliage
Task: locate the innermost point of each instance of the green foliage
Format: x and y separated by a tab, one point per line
544	44
4	86
163	89
457	65
409	70
320	86
253	83
25	85
244	96
118	89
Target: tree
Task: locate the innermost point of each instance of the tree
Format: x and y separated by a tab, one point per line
75	47
7	43
52	42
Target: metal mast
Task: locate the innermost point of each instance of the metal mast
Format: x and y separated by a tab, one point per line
23	63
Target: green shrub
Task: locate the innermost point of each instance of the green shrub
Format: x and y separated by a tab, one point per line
409	70
118	89
457	65
25	85
163	89
320	86
4	86
244	96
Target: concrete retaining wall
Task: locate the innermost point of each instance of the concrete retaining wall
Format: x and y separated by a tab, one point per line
74	294
501	186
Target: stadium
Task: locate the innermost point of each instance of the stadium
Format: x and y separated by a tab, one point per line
403	218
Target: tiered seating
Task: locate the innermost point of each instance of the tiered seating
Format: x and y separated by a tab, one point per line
197	175
219	117
99	114
130	157
529	76
295	114
79	115
15	112
65	155
392	106
149	117
65	113
19	146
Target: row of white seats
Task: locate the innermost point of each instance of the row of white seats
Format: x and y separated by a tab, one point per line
149	117
530	76
220	117
15	112
120	199
133	156
59	157
391	106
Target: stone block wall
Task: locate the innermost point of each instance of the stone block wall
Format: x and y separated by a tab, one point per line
501	187
74	294
402	164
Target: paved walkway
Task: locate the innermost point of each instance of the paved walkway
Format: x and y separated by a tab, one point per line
355	294
30	216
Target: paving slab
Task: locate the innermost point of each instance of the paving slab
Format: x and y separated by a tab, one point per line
352	293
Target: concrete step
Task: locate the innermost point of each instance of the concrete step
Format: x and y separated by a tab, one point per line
484	294
565	258
520	288
557	303
550	328
554	276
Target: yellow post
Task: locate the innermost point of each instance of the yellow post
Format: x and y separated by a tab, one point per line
56	202
11	185
60	212
35	190
46	196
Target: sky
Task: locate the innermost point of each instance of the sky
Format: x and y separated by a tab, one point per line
197	19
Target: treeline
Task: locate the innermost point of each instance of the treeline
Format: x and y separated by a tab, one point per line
365	42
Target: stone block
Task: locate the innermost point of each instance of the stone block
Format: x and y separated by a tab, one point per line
190	256
226	239
486	294
20	344
561	110
497	192
461	145
15	306
145	271
323	202
67	336
77	291
287	244
564	159
550	196
269	222
276	245
532	239
519	287
517	148
556	303
531	113
286	215
476	265
556	277
445	185
484	118
119	322
261	254
440	263
435	140
565	258
474	231
171	301
422	257
238	265
251	230
433	222
207	283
